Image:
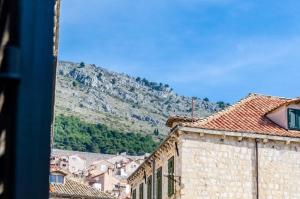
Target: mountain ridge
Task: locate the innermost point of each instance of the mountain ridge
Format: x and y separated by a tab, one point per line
121	101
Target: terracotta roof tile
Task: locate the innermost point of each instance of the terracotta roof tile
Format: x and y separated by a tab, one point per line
72	188
248	115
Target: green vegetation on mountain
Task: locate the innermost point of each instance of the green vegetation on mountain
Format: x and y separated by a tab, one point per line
114	112
222	104
71	133
123	102
153	85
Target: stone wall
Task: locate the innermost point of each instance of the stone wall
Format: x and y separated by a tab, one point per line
212	168
161	161
279	170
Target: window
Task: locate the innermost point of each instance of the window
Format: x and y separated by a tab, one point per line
149	187
294	119
171	176
56	179
141	191
134	194
159	183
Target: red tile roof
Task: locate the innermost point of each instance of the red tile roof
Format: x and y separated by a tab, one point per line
74	189
248	115
293	101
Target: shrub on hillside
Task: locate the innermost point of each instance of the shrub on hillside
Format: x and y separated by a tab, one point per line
73	134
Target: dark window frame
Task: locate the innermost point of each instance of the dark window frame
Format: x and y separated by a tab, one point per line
57	179
159	183
141	191
149	187
171	182
134	194
296	112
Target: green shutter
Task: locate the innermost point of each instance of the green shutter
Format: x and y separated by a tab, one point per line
134	194
171	176
149	187
141	191
294	119
159	183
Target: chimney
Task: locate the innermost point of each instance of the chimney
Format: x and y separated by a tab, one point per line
193	107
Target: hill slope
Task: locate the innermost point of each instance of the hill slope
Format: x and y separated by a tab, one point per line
73	134
121	102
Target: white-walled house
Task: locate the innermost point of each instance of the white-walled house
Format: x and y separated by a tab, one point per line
131	167
101	165
250	150
76	164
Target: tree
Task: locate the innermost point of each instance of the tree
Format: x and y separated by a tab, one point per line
81	64
132	89
156	132
146	82
73	134
206	99
222	104
99	76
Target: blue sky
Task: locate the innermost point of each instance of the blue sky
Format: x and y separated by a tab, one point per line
220	49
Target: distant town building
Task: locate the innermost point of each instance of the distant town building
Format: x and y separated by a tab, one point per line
63	187
130	167
61	162
249	150
110	175
101	165
106	173
76	164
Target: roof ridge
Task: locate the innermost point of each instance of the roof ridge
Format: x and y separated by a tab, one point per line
220	113
271	96
288	102
232	107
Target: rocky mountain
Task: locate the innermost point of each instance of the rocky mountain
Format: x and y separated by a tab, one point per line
120	101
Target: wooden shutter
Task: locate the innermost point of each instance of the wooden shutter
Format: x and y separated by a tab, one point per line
294	119
141	191
149	187
159	183
134	194
171	176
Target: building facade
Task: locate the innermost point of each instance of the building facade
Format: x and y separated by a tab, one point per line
63	187
103	172
250	150
76	164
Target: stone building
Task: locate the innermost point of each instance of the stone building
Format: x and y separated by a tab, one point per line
77	164
110	175
63	187
250	150
73	163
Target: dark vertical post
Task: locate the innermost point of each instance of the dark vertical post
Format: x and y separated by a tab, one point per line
9	81
35	99
257	167
55	62
193	107
153	179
